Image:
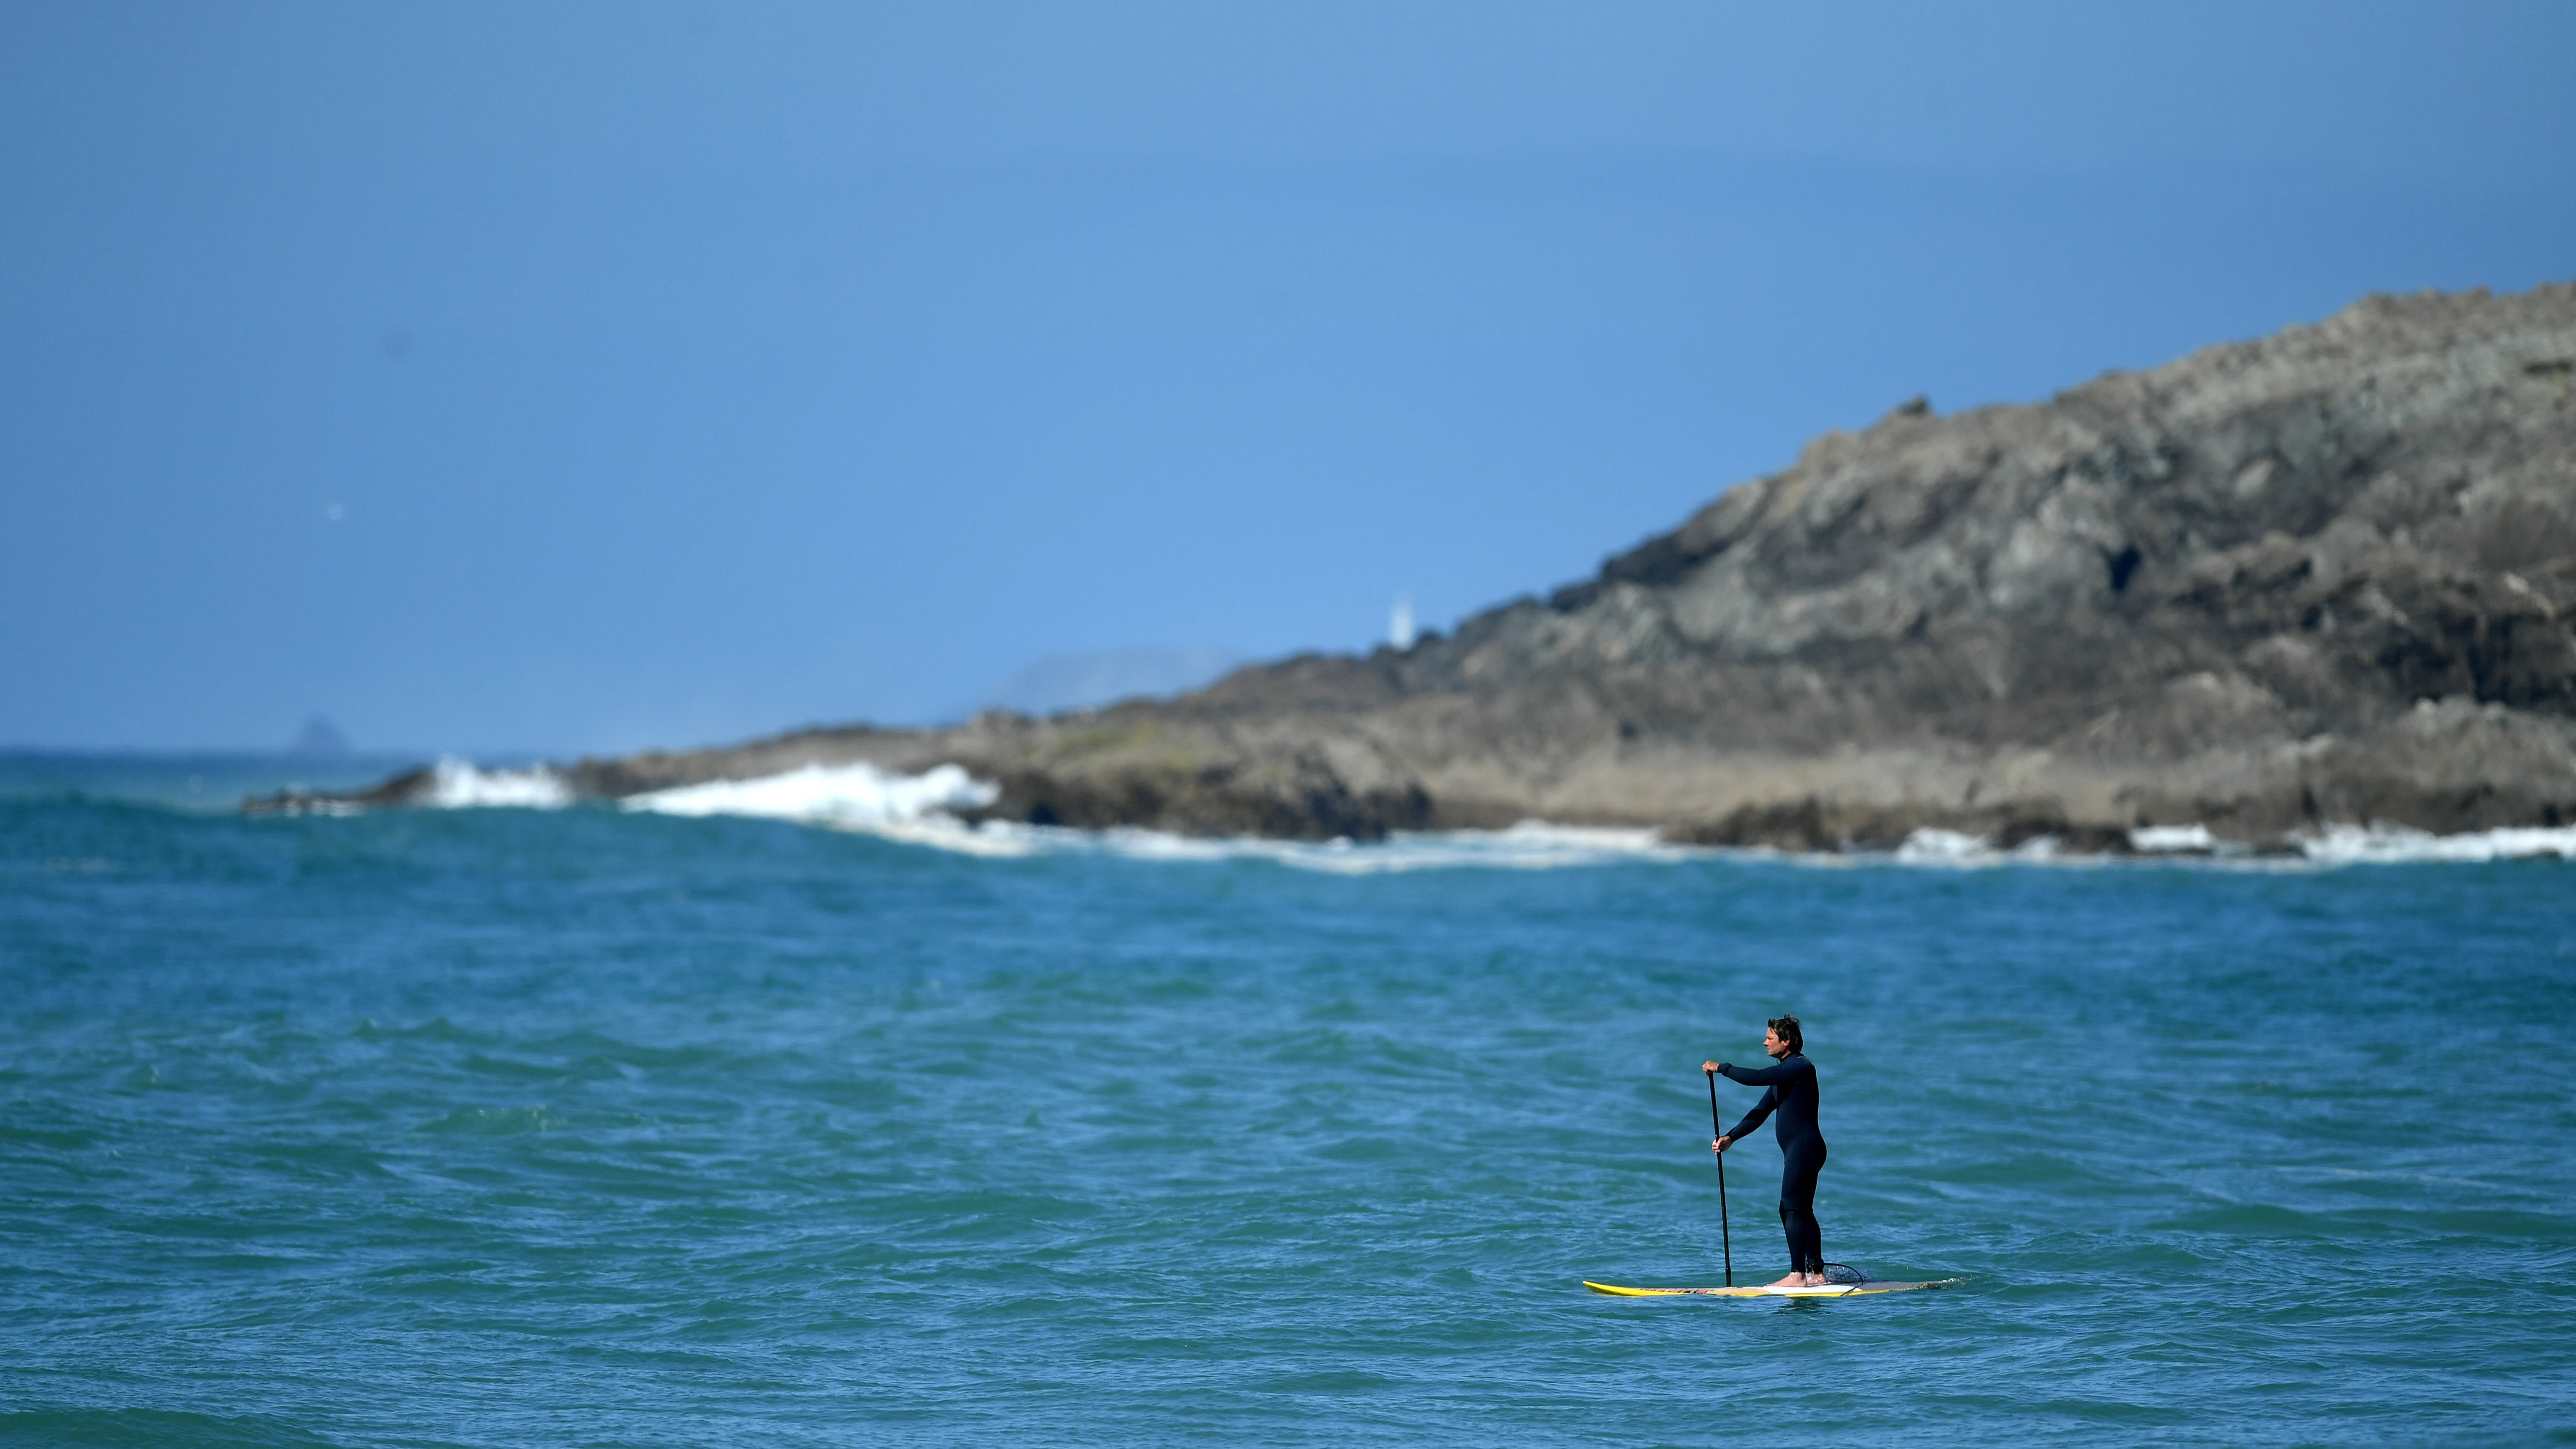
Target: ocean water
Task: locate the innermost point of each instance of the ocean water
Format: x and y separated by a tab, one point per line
590	1127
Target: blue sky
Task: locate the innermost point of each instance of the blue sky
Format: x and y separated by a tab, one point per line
591	377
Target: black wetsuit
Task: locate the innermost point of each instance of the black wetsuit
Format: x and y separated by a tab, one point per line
1802	1149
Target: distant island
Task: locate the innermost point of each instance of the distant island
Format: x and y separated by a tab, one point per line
2327	577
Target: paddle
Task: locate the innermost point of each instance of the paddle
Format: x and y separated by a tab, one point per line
1726	1234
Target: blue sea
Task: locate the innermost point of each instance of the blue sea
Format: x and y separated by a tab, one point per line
512	1126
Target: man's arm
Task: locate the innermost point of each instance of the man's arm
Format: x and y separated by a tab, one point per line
1788	1071
1761	1110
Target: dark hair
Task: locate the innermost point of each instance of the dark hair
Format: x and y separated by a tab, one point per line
1787	1027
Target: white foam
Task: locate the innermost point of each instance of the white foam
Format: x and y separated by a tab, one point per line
860	797
919	810
1933	846
1536	845
1930	846
916	809
1530	845
457	785
2390	845
2166	839
845	797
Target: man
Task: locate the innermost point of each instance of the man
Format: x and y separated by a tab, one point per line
1792	1094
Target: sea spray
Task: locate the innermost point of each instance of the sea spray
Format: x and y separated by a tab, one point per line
849	797
924	809
457	784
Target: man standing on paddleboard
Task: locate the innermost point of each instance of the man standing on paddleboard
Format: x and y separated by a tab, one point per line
1792	1094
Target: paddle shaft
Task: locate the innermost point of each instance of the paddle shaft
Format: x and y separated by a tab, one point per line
1726	1234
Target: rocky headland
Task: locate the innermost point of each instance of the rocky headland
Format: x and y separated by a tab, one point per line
2326	577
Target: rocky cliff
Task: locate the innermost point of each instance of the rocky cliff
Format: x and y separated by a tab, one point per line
2324	577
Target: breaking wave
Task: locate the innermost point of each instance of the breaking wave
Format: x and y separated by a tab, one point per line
919	809
844	797
2383	844
2333	846
455	784
2172	839
924	809
1530	845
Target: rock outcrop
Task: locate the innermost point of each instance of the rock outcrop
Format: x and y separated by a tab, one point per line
2324	577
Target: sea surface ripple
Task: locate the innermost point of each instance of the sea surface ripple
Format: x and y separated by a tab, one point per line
503	1127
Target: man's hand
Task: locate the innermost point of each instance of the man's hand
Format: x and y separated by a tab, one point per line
1721	1144
1712	1066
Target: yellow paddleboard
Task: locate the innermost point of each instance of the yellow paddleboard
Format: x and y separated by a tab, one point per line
1830	1290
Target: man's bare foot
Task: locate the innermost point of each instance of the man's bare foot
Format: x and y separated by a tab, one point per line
1818	1280
1794	1280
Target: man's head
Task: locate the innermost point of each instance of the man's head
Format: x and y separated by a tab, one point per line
1783	1038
